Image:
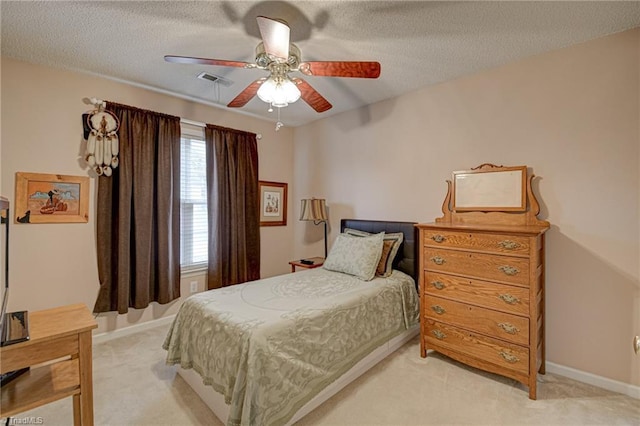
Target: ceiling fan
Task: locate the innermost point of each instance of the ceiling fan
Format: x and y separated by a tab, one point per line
280	57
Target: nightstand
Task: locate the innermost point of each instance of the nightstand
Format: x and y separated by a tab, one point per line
60	334
317	262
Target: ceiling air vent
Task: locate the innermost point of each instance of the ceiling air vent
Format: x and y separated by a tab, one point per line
215	79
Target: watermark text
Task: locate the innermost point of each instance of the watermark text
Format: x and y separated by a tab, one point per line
26	420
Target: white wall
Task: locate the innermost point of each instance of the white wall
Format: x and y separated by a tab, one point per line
572	116
55	264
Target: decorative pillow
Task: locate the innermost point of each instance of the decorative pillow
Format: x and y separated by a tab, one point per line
387	245
393	240
355	256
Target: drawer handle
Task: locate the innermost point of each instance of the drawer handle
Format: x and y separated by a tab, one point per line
509	328
509	270
508	244
438	284
512	300
438	238
437	260
509	358
439	334
438	309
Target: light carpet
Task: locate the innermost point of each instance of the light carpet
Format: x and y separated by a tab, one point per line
133	386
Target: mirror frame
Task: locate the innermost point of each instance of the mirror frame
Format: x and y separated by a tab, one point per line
490	188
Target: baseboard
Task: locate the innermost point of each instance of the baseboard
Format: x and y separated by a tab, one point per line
133	329
599	381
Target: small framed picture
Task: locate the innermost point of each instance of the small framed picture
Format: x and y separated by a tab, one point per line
47	198
273	203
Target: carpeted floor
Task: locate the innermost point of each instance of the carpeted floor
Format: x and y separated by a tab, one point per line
133	386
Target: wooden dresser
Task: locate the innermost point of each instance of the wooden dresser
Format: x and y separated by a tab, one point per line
482	287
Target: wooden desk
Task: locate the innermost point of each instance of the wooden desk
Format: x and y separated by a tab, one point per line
317	262
62	334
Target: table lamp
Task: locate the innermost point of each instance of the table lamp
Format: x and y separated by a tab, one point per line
315	209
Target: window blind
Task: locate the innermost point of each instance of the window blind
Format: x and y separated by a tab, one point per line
193	198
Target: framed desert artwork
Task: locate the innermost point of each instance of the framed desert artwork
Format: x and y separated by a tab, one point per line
273	203
47	198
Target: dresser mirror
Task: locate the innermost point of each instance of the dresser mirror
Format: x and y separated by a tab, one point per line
490	188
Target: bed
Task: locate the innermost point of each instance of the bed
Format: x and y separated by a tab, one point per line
268	352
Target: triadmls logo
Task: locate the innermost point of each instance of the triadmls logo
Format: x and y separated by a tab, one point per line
26	421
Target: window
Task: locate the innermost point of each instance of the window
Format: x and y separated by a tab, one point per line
193	198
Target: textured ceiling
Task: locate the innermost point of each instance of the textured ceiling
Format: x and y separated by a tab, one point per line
418	43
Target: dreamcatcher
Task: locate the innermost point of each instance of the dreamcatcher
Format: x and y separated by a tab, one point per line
102	140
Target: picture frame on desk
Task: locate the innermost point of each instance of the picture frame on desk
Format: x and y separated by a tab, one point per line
15	328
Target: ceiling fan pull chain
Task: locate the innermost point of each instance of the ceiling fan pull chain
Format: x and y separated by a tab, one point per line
279	123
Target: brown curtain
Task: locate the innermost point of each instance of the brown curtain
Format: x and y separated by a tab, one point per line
138	214
234	206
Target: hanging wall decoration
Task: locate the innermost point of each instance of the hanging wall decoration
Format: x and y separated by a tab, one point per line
102	139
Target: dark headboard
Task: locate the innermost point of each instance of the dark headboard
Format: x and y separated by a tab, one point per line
406	260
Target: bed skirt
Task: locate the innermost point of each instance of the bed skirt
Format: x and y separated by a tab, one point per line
215	400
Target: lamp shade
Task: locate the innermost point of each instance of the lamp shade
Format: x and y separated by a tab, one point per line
313	209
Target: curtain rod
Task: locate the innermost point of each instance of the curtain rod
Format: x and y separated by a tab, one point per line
193	123
99	103
200	124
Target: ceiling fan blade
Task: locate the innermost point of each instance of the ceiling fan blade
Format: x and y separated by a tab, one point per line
246	95
207	61
341	69
275	36
310	96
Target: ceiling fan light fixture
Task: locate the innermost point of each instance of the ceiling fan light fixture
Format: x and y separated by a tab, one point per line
279	92
279	56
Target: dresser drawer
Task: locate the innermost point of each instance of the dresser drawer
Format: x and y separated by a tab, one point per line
503	297
507	269
493	243
503	354
492	323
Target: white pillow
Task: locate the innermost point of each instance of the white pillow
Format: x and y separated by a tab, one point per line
358	256
391	244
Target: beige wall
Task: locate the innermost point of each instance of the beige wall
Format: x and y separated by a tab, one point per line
0	125
55	264
573	117
636	322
